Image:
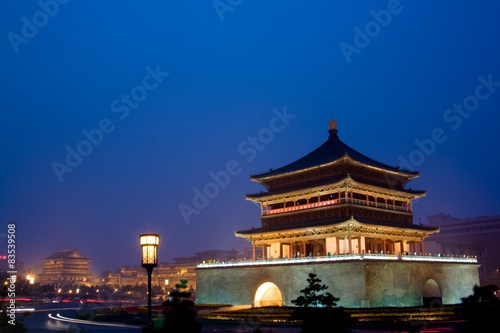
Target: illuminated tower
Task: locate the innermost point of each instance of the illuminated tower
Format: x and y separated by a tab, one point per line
336	200
66	267
347	218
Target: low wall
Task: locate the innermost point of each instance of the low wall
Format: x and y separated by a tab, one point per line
358	283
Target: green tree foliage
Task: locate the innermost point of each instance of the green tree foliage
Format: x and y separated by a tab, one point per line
317	309
180	295
481	309
312	296
179	311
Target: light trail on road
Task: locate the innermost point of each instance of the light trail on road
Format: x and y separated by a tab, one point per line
58	317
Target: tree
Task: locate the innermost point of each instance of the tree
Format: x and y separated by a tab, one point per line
317	309
480	310
179	312
312	297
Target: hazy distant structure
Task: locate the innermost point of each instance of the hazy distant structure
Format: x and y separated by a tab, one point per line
65	267
166	275
209	255
347	218
249	252
478	236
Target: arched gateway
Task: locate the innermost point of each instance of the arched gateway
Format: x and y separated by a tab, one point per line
268	294
432	294
347	218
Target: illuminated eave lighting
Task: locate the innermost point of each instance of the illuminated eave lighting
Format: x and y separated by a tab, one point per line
340	160
339	258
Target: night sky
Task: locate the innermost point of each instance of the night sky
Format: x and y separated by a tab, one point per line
116	115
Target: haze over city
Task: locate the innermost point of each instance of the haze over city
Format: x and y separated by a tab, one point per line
125	117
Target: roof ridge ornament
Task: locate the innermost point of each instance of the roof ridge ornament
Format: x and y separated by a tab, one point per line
332	129
332	124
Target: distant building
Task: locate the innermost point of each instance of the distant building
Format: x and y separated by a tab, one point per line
165	275
209	255
478	236
168	275
248	252
65	267
127	276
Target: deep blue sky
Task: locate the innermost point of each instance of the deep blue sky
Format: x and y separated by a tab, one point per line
389	72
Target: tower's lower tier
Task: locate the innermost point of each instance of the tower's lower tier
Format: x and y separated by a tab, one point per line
358	281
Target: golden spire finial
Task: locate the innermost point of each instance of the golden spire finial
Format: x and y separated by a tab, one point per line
332	124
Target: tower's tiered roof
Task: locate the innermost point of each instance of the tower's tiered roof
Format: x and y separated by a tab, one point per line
332	184
330	151
66	254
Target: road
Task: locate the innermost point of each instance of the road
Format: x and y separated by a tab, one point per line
55	318
58	318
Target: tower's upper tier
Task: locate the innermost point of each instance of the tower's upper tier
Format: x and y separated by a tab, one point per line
334	159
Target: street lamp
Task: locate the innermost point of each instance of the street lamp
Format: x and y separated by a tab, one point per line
149	244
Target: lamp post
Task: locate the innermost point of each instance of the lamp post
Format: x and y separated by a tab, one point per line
149	244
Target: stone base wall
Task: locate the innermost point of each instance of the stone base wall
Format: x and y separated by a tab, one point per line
358	283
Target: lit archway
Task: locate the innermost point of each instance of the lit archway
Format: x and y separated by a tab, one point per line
268	294
431	294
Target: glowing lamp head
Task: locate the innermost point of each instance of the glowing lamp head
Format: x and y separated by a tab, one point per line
149	244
